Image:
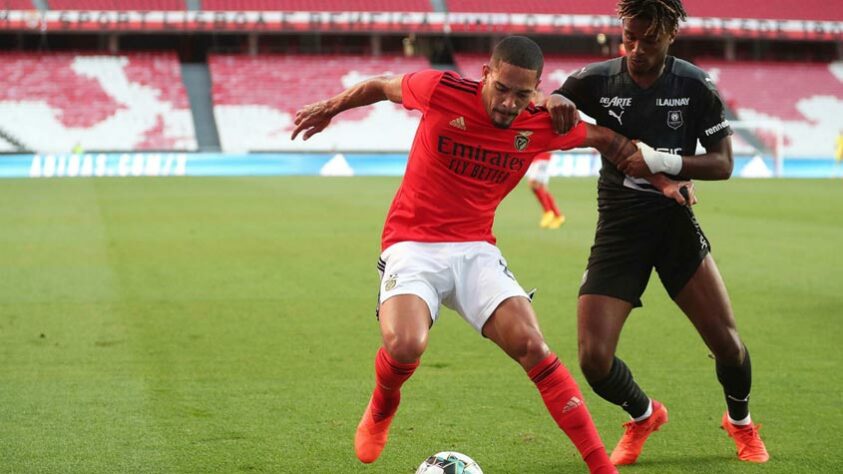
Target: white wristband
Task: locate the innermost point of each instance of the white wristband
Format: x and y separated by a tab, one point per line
659	161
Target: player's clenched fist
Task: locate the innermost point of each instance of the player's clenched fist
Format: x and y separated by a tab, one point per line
563	113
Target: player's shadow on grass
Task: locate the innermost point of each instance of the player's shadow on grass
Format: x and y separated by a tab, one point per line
685	463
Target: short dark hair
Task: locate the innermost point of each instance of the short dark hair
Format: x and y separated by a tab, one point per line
663	14
519	51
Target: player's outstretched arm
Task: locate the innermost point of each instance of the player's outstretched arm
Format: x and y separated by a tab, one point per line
715	164
616	148
313	118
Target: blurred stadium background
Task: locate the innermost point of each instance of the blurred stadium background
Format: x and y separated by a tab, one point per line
216	315
167	79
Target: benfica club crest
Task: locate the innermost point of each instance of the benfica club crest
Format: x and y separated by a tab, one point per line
522	140
674	119
391	282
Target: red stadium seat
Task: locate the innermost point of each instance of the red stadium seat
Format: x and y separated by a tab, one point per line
768	9
556	68
141	5
255	97
568	7
773	89
17	5
805	97
54	101
319	5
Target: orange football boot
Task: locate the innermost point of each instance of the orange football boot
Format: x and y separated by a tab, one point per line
748	441
632	442
371	436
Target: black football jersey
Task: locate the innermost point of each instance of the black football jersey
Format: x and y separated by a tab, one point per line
681	107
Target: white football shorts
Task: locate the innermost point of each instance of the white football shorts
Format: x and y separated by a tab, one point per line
539	171
471	278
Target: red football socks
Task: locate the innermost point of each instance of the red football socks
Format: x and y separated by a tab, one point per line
563	399
541	195
551	203
389	376
546	200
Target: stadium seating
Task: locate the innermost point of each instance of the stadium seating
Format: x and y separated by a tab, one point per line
16	5
768	9
319	5
570	7
806	97
142	5
6	146
255	100
556	68
51	102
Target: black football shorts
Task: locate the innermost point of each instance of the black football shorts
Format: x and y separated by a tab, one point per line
629	244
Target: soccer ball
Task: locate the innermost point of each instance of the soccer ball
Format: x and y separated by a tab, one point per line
449	462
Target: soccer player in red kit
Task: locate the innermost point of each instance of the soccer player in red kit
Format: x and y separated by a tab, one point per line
474	143
537	178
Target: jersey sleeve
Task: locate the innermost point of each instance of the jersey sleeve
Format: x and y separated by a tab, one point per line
713	123
417	88
573	139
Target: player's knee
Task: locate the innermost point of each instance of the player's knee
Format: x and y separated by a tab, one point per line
595	362
404	348
533	350
730	351
525	345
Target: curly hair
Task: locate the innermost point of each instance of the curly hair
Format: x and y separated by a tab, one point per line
665	15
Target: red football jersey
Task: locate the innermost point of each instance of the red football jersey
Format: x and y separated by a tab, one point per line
460	165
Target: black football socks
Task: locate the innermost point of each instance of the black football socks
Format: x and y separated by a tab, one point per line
736	382
619	388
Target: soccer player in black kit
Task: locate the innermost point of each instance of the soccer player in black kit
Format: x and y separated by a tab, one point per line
666	104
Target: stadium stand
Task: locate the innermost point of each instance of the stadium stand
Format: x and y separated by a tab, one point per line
768	9
6	146
763	9
556	68
16	5
52	102
256	97
806	97
570	7
141	5
319	5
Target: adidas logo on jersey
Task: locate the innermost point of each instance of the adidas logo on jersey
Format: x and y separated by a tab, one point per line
458	122
573	403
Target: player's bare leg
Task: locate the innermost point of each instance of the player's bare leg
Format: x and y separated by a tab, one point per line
515	329
405	322
705	301
600	320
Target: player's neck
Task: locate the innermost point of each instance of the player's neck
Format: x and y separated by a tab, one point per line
647	79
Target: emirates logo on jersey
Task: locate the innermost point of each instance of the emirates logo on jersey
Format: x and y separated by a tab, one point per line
522	140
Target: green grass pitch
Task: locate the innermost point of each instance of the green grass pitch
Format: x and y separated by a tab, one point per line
192	325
